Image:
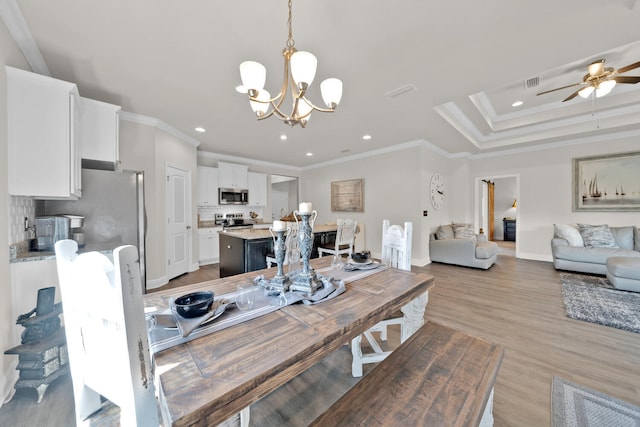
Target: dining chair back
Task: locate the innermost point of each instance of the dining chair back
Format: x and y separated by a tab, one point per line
396	253
106	333
396	245
345	236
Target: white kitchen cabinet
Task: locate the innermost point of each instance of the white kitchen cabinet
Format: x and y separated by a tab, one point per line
207	182
233	176
257	189
43	149
209	245
99	130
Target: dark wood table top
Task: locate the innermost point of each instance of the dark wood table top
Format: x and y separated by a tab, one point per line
207	380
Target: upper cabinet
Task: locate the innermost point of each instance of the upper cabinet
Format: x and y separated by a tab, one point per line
43	149
257	189
207	191
98	134
233	176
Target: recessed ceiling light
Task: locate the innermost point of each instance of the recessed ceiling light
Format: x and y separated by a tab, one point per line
283	137
517	104
309	154
366	137
200	129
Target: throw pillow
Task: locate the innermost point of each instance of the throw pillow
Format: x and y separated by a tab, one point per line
463	231
444	232
623	236
597	236
570	233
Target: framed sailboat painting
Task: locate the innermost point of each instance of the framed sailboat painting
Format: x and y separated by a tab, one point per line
607	183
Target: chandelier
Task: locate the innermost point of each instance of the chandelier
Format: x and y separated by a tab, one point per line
299	72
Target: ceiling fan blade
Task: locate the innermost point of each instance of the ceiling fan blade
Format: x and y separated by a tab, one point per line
627	79
628	67
559	88
570	97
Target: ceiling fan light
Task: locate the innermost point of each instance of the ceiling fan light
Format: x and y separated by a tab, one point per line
331	90
253	75
586	92
303	68
260	108
605	87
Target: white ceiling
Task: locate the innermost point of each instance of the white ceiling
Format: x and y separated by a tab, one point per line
177	61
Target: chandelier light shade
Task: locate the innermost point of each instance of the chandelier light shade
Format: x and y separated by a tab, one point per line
299	73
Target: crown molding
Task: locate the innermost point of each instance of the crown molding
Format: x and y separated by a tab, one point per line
159	124
244	160
17	26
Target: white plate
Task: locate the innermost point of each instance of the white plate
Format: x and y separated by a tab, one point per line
351	266
367	262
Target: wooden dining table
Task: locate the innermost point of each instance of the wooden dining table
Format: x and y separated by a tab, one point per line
209	379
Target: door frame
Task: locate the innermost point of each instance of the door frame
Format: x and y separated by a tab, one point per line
188	215
478	205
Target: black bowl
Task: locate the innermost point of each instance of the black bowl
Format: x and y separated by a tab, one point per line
361	257
195	304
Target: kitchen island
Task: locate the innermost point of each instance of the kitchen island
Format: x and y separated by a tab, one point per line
242	251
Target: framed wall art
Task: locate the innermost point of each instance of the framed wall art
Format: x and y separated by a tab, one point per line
609	182
347	196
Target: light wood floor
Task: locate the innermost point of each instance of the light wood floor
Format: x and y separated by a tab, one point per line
517	303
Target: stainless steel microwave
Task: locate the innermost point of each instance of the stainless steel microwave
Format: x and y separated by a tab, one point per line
233	196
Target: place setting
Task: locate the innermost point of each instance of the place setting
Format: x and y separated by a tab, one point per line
360	261
195	314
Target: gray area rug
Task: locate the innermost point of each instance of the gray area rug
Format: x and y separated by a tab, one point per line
594	299
573	405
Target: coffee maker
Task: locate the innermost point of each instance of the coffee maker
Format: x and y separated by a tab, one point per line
50	229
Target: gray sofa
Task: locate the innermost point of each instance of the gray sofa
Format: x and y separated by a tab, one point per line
570	253
471	251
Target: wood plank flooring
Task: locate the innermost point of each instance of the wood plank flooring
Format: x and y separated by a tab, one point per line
516	303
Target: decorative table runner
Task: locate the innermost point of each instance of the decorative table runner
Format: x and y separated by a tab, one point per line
165	333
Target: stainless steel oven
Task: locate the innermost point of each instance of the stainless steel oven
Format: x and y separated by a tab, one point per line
233	196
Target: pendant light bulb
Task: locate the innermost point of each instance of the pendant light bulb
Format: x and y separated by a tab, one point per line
303	69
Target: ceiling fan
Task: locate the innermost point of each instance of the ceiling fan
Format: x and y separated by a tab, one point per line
599	79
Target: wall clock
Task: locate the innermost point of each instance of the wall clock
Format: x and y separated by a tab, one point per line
436	190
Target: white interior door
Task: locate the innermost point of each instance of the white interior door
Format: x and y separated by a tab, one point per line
279	204
178	194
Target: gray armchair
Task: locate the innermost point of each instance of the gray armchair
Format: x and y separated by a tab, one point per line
467	252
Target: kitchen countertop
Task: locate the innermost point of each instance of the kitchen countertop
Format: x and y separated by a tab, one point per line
105	248
257	233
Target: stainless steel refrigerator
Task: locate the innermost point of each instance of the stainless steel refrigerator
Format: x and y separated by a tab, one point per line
113	206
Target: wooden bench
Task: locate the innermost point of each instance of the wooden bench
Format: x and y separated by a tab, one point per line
438	377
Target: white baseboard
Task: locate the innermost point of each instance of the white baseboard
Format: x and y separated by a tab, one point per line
534	257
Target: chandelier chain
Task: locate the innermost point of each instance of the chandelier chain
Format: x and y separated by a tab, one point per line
290	41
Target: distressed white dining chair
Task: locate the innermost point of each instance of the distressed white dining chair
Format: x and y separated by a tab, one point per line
345	236
396	253
106	333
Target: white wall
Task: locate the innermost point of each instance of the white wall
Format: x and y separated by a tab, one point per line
149	149
545	195
395	188
9	55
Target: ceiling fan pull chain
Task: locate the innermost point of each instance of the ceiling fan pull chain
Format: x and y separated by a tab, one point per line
593	110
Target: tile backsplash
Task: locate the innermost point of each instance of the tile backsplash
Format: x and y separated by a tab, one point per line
208	213
19	208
